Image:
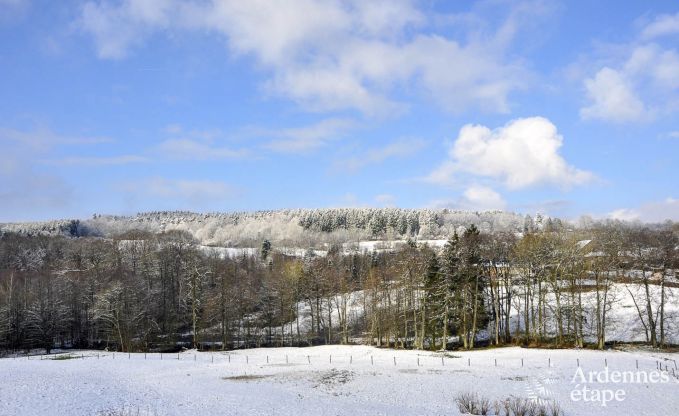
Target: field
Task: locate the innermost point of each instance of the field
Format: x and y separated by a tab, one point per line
330	380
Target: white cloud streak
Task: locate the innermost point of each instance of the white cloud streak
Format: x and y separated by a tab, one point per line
307	138
98	161
398	149
188	149
180	192
663	25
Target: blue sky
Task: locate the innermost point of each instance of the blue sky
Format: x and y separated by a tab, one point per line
566	108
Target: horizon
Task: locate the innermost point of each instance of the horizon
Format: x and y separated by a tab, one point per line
526	107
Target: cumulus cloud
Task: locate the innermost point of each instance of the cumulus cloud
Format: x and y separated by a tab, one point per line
656	211
612	98
523	153
642	82
329	55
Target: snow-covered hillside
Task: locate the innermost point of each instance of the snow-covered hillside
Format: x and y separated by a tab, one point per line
293	228
337	380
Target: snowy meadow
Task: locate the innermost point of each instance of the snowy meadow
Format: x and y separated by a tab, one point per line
335	380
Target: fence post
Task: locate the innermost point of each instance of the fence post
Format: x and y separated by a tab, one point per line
637	364
418	361
144	356
578	362
286	358
247	360
177	356
442	363
114	355
605	362
213	358
521	362
469	362
194	357
128	355
549	362
308	358
351	359
267	359
330	358
371	360
496	362
394	360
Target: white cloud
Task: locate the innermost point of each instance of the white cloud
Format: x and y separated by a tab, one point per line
188	149
482	198
306	138
13	3
385	200
41	139
612	98
400	148
98	161
657	211
640	80
180	192
523	153
117	27
663	25
474	198
25	192
329	55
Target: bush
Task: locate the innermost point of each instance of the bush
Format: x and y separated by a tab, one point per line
474	404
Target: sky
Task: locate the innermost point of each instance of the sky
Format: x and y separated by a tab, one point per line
565	108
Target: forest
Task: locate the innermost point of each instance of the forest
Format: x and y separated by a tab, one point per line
162	291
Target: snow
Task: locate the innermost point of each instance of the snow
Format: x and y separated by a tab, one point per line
338	380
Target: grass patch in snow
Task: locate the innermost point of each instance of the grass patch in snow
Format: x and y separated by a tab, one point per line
246	377
64	357
470	403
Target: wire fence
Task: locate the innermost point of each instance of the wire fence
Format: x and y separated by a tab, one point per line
381	360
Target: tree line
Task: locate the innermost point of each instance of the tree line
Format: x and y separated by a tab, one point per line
163	291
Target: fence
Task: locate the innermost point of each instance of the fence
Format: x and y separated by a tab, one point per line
411	360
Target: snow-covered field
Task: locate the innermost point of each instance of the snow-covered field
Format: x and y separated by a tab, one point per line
328	380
